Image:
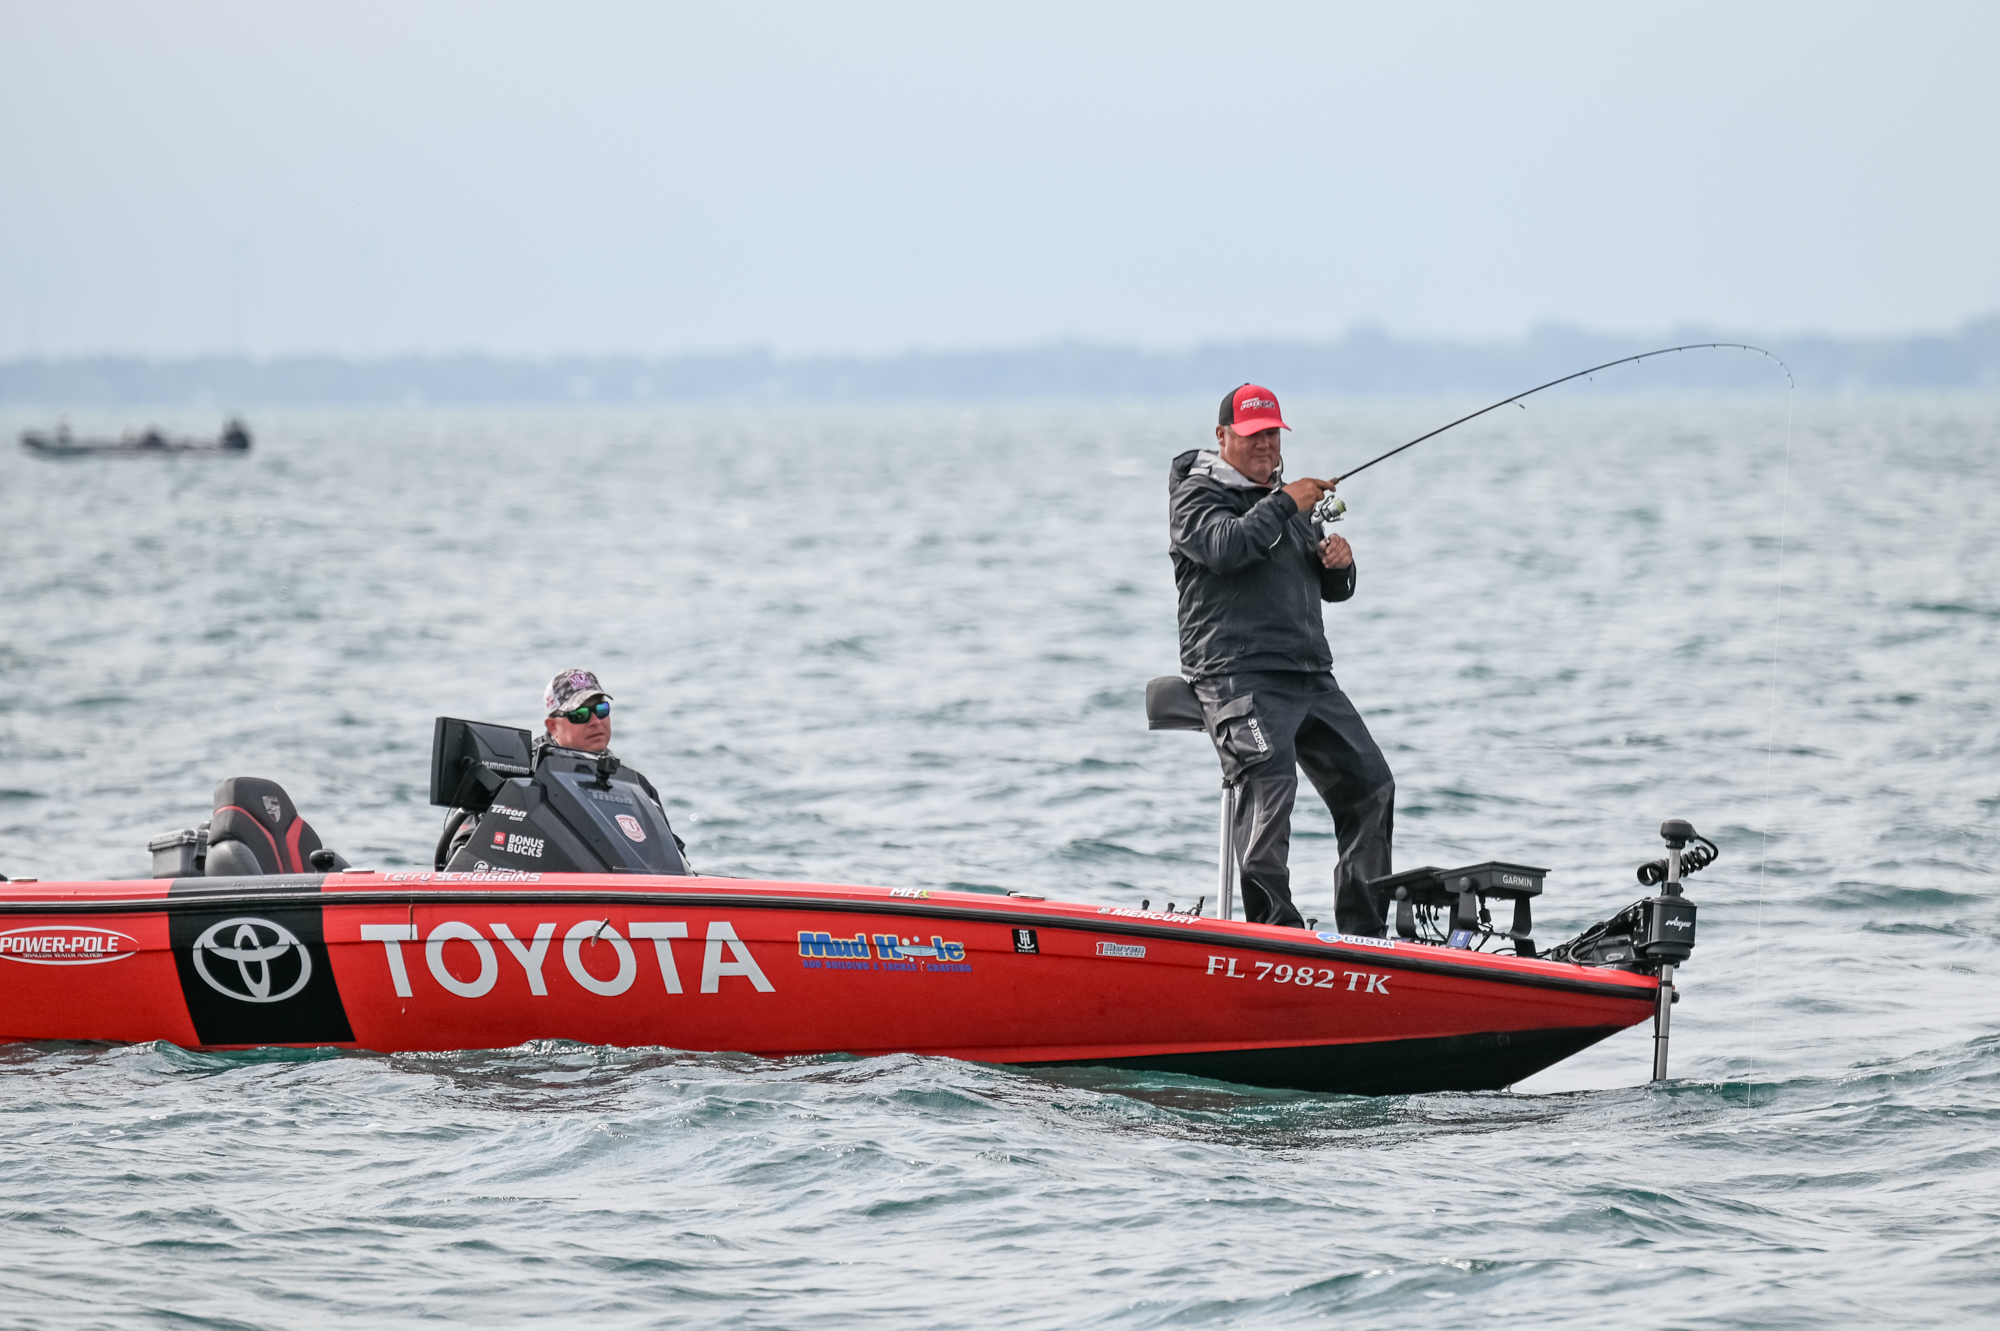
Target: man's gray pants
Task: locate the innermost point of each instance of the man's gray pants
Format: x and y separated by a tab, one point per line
1268	724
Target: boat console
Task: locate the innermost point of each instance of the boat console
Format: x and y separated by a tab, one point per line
562	811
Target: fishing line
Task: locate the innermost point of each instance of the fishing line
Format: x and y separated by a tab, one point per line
1770	744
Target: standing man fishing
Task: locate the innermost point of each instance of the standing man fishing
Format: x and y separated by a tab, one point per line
1252	574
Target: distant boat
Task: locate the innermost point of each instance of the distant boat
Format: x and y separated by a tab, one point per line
235	438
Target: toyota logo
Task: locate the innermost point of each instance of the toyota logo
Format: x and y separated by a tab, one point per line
263	954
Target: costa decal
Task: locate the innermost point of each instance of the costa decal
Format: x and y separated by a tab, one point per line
252	960
69	946
630	827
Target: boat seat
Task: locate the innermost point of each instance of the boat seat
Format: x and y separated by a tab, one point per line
1171	705
257	830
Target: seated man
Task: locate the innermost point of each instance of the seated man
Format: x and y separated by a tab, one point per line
578	724
578	715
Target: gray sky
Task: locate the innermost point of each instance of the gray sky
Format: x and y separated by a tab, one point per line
370	178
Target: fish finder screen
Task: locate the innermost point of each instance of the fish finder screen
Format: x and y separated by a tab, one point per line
460	748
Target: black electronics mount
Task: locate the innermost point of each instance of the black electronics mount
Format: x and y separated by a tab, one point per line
1449	907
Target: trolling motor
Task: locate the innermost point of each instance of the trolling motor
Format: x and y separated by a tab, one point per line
1654	934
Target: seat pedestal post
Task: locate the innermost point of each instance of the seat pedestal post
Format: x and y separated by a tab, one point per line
1226	867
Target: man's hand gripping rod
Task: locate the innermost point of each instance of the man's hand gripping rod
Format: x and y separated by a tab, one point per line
1329	509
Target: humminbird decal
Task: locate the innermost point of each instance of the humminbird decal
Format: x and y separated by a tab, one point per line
70	945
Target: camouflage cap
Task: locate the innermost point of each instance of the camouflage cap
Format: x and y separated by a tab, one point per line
571	689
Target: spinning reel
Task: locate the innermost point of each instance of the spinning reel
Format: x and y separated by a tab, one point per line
1329	510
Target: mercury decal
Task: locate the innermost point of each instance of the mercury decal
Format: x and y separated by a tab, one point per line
270	962
68	946
1126	912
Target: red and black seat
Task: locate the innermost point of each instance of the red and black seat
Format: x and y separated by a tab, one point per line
257	830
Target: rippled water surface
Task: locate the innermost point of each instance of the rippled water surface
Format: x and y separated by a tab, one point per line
908	645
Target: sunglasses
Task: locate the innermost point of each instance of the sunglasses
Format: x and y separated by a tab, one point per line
583	714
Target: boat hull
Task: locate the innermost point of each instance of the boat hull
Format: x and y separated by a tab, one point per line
428	961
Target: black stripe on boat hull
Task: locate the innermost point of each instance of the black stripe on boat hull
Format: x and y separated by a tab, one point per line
1487	1061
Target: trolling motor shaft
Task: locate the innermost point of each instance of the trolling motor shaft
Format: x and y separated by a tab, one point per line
1666	927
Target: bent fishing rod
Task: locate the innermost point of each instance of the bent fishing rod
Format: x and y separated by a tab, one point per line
1622	360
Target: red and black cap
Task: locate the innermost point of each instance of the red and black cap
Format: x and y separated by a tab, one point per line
1251	408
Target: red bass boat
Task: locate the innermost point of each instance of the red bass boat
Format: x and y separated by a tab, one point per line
614	942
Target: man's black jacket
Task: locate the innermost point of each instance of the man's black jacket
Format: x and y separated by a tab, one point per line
1246	562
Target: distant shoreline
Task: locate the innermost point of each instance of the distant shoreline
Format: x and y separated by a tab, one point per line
1362	362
